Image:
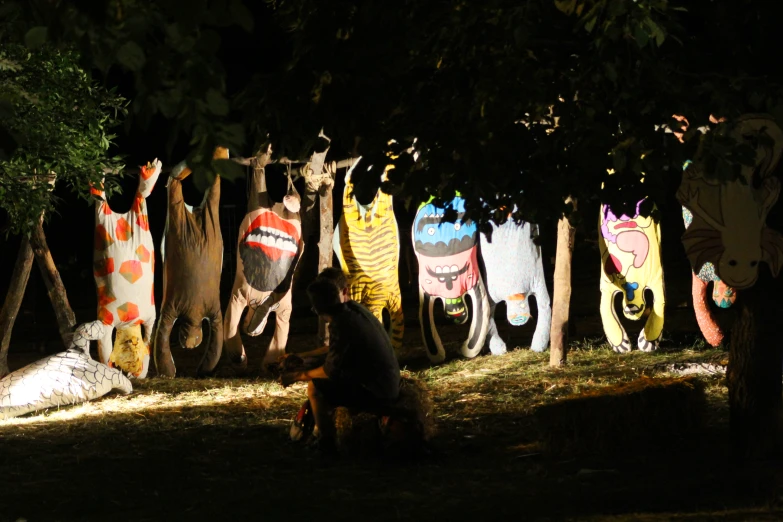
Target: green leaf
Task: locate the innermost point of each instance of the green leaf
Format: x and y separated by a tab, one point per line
566	6
35	37
131	55
242	15
217	103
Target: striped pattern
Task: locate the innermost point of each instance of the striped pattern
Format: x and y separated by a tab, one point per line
369	253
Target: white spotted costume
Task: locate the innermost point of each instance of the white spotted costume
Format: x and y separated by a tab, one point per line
124	270
69	377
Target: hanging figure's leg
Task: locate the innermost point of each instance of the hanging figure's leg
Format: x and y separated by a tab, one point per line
282	327
651	335
496	344
235	350
709	328
429	331
544	321
215	346
164	362
397	327
148	326
615	333
479	323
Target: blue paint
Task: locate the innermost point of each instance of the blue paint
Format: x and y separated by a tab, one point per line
630	289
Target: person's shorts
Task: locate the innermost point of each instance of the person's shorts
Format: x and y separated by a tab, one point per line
349	394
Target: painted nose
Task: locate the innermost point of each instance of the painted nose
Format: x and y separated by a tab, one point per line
190	337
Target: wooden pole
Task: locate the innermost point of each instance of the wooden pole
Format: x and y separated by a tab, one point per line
561	302
13	300
54	285
325	202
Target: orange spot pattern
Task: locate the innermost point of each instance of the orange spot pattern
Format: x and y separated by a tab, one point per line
136	208
105	296
143	222
143	254
105	316
131	270
128	312
103	267
123	230
102	238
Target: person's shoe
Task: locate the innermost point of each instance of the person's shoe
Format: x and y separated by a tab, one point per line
303	424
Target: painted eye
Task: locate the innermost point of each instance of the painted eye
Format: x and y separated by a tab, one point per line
457	226
431	231
754	263
732	263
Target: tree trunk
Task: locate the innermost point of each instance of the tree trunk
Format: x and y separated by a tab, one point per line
561	293
13	300
325	248
754	374
54	285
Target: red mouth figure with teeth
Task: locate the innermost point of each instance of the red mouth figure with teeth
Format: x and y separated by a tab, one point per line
268	248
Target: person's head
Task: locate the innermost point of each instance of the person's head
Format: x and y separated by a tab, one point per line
337	276
325	297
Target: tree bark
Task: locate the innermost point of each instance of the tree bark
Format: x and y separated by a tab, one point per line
54	285
13	300
561	293
754	374
325	248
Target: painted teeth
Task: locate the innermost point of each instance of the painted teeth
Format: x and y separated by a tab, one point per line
272	238
454	268
438	270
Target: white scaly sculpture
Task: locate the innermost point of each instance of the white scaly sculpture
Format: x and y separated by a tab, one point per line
69	377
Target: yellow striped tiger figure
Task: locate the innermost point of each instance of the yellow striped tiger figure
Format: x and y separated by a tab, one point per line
367	244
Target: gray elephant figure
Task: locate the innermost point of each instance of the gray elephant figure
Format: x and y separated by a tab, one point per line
514	271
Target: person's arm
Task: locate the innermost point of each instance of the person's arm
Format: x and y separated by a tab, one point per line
312	353
287	379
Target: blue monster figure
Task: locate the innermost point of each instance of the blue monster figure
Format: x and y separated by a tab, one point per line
448	270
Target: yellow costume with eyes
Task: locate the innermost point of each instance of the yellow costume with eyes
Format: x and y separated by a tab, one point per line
630	264
367	243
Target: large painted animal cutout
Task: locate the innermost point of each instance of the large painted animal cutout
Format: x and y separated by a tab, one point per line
367	244
448	270
514	271
69	377
729	217
123	265
192	261
269	247
722	295
630	247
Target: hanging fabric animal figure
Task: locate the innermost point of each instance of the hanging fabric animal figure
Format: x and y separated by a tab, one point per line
269	248
123	266
448	269
69	377
367	244
192	261
722	295
630	264
514	272
729	228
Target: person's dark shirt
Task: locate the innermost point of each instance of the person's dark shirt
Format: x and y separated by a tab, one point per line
360	350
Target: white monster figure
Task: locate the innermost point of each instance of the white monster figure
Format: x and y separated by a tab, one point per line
69	377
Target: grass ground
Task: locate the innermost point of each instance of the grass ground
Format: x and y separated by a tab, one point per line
216	449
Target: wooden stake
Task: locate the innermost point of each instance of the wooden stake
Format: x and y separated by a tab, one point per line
325	248
13	300
561	302
54	285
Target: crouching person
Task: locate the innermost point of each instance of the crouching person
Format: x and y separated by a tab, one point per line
361	370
